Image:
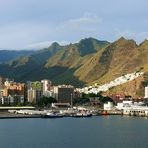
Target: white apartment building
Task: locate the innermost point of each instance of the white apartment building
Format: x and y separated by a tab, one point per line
146	92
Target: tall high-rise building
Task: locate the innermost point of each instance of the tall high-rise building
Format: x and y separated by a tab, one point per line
29	85
34	91
63	93
1	82
34	95
46	86
146	92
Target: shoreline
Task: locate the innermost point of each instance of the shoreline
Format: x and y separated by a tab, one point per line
7	115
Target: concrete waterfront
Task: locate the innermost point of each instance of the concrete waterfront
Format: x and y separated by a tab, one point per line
7	115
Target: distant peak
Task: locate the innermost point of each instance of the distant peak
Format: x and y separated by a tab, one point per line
85	39
144	42
91	40
55	44
122	39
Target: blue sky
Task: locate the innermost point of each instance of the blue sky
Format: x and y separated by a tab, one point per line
34	24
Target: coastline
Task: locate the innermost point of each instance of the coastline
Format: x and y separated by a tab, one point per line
7	115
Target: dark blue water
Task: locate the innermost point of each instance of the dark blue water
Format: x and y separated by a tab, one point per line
95	132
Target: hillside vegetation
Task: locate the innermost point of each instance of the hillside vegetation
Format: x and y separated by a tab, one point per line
87	62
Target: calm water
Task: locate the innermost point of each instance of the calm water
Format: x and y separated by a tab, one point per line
95	132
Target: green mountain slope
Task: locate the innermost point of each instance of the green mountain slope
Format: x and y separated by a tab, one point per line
8	55
57	63
86	62
72	57
29	67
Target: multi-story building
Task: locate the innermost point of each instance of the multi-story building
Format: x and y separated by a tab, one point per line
12	100
29	85
1	93
34	91
37	85
63	93
146	92
46	86
13	88
12	93
1	82
34	95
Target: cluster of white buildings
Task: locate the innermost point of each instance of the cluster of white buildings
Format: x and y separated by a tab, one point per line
108	106
120	80
129	107
133	108
146	92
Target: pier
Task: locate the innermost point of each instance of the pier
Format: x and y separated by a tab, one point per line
7	115
137	111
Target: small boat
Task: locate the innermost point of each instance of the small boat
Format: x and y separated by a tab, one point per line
52	115
105	113
79	115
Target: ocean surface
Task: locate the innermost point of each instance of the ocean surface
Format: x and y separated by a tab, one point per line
95	132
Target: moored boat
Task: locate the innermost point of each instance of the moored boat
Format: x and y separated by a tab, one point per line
52	115
105	113
79	115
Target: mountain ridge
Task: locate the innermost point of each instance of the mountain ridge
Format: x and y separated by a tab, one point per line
9	55
86	62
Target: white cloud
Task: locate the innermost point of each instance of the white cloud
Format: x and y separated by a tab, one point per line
19	35
82	26
87	19
40	34
88	22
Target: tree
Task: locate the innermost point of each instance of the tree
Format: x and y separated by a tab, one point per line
45	101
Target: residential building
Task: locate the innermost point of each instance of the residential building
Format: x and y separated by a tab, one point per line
108	106
1	82
146	92
37	85
12	100
46	86
34	95
13	88
63	93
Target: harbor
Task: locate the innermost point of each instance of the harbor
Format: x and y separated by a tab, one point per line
125	108
75	112
56	113
42	99
72	113
7	115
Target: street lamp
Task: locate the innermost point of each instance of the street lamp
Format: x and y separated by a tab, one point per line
71	100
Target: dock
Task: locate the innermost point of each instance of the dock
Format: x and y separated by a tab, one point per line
6	115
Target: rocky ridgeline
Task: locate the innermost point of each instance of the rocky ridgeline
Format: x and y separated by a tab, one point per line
120	80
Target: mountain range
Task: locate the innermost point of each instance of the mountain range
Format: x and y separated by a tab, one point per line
8	55
86	62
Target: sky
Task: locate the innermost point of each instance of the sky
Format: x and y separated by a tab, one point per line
35	24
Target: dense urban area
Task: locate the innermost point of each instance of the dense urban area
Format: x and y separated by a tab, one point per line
43	98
